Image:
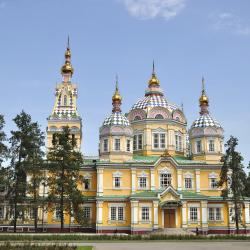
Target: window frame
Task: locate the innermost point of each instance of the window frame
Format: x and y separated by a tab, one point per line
158	142
116	140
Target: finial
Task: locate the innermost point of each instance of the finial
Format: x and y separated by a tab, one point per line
203	85
153	70
204	101
68	46
182	107
116	99
153	80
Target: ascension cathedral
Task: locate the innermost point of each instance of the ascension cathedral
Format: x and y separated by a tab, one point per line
153	172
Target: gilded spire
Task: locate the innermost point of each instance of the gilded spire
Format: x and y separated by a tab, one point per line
116	98
204	101
67	67
154	80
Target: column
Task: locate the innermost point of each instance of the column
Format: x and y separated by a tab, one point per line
197	177
156	224
171	140
152	179
204	215
184	214
99	206
179	179
247	214
134	214
99	181
133	177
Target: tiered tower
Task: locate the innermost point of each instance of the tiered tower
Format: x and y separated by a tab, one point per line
206	134
116	134
65	111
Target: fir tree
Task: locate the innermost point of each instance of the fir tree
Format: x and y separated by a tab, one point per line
247	188
34	169
64	175
21	151
233	178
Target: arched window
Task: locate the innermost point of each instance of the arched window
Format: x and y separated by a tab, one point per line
65	100
137	118
159	116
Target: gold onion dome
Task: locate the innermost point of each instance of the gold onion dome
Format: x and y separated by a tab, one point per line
154	80
116	96
203	99
67	67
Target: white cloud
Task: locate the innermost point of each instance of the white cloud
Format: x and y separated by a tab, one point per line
230	22
149	9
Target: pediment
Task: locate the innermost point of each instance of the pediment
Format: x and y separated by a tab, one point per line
169	194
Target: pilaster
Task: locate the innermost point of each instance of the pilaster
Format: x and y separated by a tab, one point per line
197	178
179	179
156	223
152	179
99	181
133	177
184	214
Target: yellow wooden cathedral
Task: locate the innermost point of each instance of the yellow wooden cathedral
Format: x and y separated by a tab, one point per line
153	172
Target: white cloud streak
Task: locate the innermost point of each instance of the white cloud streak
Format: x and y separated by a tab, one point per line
230	22
149	9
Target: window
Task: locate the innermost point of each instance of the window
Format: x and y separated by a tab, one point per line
31	213
117	213
65	100
1	212
198	147
165	180
117	144
142	182
120	213
211	146
117	182
128	145
178	142
137	118
159	116
213	183
113	213
137	142
159	140
188	183
86	213
57	214
193	214
87	184
105	145
145	213
214	214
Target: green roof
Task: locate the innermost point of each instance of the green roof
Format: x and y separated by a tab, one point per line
186	160
192	195
144	194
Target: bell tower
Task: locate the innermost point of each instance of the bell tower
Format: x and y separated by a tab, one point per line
65	112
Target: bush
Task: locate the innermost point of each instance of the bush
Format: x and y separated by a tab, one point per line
8	246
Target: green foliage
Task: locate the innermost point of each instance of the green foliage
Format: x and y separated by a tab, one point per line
233	178
25	153
117	237
8	246
64	174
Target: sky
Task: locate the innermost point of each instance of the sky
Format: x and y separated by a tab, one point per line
187	39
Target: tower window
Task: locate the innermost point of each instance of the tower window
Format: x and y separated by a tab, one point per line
105	145
198	147
65	100
137	142
128	145
188	183
178	142
213	183
117	144
159	116
117	182
211	146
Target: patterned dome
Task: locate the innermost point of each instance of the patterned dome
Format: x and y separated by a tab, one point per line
154	101
116	118
205	120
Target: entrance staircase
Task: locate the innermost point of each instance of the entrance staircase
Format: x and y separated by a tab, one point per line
173	231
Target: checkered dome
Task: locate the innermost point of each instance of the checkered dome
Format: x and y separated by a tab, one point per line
116	118
154	101
205	120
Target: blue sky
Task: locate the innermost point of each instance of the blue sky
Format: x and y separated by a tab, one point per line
187	39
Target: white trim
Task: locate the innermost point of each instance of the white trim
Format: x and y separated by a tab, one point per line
117	174
213	175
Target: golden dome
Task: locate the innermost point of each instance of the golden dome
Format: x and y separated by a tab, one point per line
154	80
116	96
203	99
68	53
67	68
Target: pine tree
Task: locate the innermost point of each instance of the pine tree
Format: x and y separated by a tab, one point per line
64	175
247	188
3	156
233	178
34	169
21	151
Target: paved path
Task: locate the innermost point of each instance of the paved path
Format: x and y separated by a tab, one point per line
172	245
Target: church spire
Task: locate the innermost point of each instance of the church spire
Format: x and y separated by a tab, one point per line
154	80
116	99
67	69
204	101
